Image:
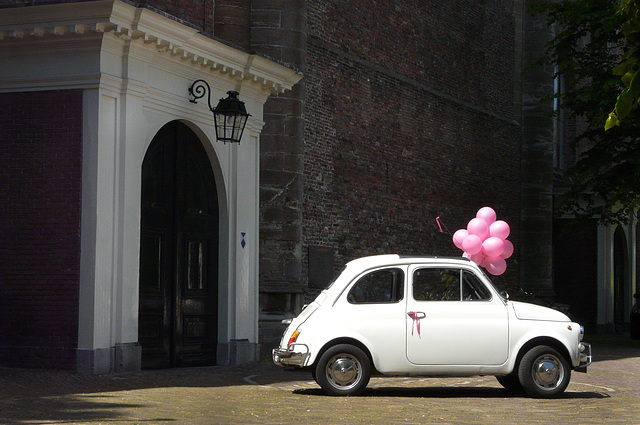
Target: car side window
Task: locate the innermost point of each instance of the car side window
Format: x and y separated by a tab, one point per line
436	284
473	289
380	286
447	284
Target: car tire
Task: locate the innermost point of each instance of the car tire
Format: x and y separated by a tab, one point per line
543	372
510	382
343	370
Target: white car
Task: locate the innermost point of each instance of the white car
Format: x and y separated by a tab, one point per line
394	315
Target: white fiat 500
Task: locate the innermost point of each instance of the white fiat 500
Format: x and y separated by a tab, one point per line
394	315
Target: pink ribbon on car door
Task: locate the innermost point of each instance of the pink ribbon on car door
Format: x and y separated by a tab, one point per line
416	316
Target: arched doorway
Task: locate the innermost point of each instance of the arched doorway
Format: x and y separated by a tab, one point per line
620	278
178	311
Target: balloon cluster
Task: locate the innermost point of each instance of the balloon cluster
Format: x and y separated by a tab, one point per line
484	241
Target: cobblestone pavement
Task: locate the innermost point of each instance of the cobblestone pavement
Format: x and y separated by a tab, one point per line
264	394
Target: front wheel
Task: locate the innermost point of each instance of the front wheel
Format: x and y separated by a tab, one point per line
343	370
511	382
543	372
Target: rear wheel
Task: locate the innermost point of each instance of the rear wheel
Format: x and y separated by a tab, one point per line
343	370
543	372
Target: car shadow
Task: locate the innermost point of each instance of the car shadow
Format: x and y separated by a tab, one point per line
451	392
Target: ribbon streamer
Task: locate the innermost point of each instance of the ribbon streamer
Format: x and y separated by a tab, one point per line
416	322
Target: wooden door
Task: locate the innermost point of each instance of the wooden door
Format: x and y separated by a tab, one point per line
178	252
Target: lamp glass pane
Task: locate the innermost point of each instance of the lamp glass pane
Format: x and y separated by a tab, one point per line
229	126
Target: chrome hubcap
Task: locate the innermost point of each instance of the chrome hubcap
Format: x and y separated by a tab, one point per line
547	371
343	371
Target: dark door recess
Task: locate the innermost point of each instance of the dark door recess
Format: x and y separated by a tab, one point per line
178	310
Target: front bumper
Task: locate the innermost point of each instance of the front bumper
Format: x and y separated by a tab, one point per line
585	357
295	355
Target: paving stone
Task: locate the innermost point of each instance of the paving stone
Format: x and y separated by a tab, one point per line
262	393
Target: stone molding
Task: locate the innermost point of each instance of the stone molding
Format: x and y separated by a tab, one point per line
166	36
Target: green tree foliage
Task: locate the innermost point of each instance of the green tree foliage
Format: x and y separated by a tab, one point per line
588	46
629	69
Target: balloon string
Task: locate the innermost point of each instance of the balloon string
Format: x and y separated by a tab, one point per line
440	225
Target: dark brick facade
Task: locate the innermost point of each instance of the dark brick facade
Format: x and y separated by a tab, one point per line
194	13
279	31
40	188
410	112
408	117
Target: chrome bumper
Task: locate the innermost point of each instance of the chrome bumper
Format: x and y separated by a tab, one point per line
291	356
585	357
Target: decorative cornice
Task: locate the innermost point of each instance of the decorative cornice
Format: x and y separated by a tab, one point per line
142	25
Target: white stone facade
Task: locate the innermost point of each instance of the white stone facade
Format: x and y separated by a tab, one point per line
135	68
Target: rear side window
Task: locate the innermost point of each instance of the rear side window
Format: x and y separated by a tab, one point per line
448	284
380	286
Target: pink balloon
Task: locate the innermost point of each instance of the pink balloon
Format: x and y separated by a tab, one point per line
495	265
508	249
478	227
487	213
499	229
472	244
477	258
459	236
493	247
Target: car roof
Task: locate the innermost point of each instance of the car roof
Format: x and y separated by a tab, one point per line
392	259
361	265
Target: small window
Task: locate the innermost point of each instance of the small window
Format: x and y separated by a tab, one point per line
381	286
436	284
446	284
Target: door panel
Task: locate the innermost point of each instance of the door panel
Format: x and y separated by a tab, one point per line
178	252
446	324
374	308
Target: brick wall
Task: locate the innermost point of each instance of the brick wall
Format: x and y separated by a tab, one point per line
409	116
40	187
406	112
279	32
232	22
194	13
536	268
464	49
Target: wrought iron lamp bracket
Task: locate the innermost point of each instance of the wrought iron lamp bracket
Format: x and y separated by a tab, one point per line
198	90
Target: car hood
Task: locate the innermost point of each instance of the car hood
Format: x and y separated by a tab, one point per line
526	311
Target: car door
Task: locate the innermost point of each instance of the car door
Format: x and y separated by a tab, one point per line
372	310
453	318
